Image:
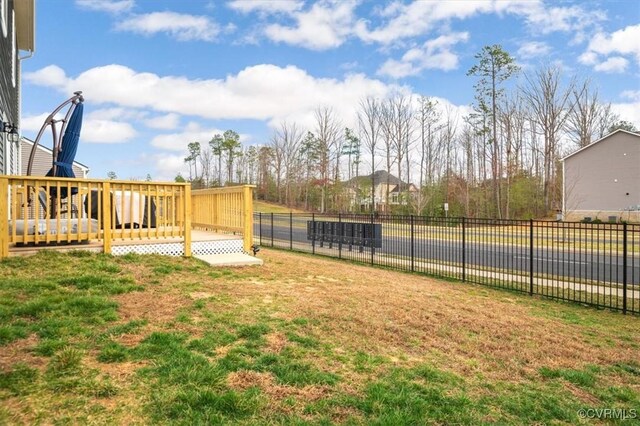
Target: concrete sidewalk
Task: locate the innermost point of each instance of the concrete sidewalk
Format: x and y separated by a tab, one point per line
232	259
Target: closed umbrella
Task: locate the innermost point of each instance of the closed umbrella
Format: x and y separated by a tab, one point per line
63	165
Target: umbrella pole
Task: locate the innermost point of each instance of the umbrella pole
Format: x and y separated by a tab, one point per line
53	212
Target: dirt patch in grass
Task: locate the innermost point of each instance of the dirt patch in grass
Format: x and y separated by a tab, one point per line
21	350
153	306
583	395
243	380
276	342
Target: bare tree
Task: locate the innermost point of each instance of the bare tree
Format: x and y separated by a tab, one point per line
289	139
582	120
277	146
386	127
447	137
369	124
328	130
428	120
265	166
549	104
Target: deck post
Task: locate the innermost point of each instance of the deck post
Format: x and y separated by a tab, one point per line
187	220
247	233
4	217
106	216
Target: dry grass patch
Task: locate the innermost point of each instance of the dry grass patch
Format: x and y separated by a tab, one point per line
21	351
400	314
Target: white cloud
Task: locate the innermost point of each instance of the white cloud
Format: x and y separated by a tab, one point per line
565	19
606	52
49	76
265	6
163	122
614	64
117	114
433	54
421	17
588	58
111	6
94	129
106	131
533	49
631	94
168	166
193	132
262	92
418	18
326	25
32	123
622	42
628	111
181	26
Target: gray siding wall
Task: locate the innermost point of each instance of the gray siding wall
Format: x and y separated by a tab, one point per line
605	176
42	162
8	91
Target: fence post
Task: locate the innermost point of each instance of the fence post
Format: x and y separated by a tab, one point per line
313	233
260	226
413	265
187	220
4	217
373	237
530	257
624	268
271	229
247	232
464	248
290	230
106	217
339	235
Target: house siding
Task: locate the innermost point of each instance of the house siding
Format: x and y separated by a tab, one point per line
42	161
604	177
8	92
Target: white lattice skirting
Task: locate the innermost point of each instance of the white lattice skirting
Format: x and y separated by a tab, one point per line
177	249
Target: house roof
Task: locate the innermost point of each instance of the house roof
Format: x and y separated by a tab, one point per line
49	151
25	24
600	140
380	176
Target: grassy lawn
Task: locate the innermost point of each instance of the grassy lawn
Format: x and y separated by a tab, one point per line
264	207
88	338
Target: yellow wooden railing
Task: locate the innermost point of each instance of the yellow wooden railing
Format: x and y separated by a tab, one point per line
102	210
228	209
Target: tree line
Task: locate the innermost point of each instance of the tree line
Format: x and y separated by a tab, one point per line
501	159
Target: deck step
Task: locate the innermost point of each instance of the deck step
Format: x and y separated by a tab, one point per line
229	259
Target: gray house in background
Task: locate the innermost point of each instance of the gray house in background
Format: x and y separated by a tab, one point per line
42	160
16	34
602	180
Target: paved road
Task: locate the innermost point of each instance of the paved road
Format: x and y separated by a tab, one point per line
578	265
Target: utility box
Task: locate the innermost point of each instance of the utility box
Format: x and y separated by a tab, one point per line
348	233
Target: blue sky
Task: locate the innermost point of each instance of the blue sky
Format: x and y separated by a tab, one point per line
158	74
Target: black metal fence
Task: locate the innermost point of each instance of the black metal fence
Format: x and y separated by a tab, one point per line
596	264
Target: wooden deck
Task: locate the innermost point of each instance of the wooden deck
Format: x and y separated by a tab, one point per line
203	242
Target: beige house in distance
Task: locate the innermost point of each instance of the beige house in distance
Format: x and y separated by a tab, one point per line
602	180
43	159
399	191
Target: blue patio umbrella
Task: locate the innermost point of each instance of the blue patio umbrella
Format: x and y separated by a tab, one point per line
68	148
